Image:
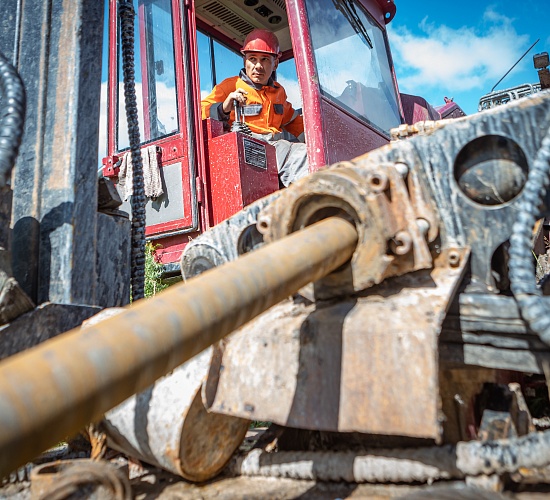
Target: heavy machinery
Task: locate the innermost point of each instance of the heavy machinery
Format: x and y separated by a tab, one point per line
184	49
500	97
384	310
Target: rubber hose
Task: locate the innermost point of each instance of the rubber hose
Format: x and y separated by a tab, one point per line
127	13
12	117
532	306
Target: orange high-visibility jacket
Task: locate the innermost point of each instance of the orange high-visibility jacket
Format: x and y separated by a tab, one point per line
276	113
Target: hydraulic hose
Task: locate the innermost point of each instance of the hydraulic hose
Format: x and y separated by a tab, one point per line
533	308
126	13
12	117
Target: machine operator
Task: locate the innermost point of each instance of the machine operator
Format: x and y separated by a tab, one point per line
264	104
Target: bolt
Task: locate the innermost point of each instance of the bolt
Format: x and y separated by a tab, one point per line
263	225
423	226
453	258
401	243
378	182
402	169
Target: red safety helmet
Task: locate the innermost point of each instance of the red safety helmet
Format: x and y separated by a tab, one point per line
261	41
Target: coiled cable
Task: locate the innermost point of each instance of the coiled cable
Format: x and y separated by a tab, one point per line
533	308
12	117
126	14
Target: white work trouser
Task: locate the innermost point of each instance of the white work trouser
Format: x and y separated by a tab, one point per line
292	162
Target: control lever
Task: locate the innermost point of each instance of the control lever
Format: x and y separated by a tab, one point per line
239	124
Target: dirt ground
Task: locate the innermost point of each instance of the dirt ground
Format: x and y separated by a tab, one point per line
163	486
148	482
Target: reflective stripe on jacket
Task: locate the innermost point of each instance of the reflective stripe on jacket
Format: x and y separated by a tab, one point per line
276	113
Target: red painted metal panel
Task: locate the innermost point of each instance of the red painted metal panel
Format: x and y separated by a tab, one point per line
388	9
331	133
211	129
170	248
179	149
233	182
417	109
189	55
112	79
309	85
348	137
173	148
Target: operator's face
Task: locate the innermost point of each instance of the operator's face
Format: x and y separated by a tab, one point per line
259	66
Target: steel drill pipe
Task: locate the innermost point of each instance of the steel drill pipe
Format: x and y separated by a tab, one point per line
53	390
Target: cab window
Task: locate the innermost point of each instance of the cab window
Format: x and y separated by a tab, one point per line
217	62
286	76
155	77
352	61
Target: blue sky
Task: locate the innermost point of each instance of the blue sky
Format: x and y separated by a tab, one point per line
461	49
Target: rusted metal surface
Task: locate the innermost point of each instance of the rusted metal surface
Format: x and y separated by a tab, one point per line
67	478
487	330
42	323
167	425
368	364
387	205
430	197
441	156
496	425
55	389
55	193
6	196
13	300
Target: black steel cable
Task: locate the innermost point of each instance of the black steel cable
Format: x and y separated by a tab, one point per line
126	14
532	306
12	117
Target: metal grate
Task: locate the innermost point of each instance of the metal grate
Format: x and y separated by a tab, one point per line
280	3
228	17
255	154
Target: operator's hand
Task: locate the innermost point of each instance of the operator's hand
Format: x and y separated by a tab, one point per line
239	95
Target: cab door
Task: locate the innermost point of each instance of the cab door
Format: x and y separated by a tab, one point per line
165	119
345	70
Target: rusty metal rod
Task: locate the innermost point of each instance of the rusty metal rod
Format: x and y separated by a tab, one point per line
53	390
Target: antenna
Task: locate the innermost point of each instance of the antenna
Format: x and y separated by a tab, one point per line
526	52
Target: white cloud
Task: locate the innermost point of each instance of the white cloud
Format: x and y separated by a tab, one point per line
167	116
456	59
292	90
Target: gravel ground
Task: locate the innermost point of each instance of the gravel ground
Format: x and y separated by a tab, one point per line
149	482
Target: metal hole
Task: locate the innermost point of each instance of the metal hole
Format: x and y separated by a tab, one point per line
491	170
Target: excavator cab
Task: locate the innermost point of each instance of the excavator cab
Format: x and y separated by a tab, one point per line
182	49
